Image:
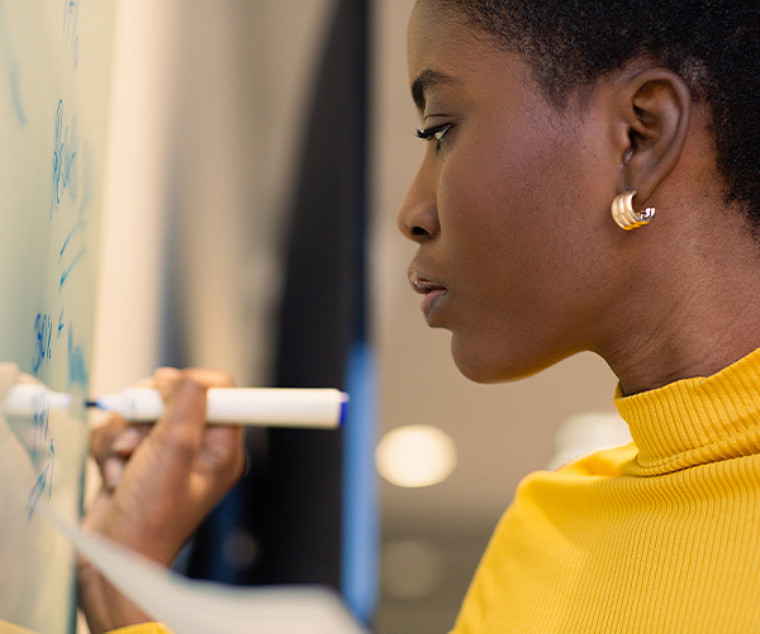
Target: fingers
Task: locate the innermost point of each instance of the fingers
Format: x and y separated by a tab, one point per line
112	445
184	391
177	469
217	450
103	437
185	395
127	440
124	445
9	376
223	453
180	430
166	379
114	436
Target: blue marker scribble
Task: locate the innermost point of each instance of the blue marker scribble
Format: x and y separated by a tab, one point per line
80	225
77	366
70	164
67	271
57	158
43	331
65	155
60	325
18	107
70	13
52	468
36	492
40	423
44	481
11	69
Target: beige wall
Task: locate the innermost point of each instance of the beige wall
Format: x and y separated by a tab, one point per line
208	97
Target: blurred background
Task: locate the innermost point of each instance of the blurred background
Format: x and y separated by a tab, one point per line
259	150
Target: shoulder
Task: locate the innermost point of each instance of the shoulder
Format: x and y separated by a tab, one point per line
566	492
576	479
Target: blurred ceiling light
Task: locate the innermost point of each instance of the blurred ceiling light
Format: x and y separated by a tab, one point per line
415	456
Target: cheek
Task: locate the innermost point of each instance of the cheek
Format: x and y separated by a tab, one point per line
524	231
505	200
518	243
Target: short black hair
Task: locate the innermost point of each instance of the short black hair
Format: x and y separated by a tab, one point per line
714	45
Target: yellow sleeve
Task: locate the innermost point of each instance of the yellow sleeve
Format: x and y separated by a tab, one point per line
143	628
9	628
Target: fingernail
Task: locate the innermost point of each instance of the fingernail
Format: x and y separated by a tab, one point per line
126	441
112	470
165	380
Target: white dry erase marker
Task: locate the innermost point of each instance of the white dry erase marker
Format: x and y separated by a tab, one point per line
318	408
266	407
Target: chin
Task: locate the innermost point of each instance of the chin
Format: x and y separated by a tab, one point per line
486	366
490	364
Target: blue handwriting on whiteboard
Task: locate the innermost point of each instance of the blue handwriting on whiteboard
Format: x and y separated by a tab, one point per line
77	227
67	271
77	366
43	330
65	161
18	107
44	481
11	69
70	31
40	423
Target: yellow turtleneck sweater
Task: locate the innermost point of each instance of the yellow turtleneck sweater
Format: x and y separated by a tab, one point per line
660	536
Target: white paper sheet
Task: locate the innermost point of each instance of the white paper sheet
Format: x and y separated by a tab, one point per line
199	607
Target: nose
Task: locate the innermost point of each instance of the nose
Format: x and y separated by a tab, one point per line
417	218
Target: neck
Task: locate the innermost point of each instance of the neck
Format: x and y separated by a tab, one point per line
694	313
656	363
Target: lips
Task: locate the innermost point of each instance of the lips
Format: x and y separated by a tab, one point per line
433	293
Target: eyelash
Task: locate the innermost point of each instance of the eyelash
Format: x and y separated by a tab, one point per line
435	133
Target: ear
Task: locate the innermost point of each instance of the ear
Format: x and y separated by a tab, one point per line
655	105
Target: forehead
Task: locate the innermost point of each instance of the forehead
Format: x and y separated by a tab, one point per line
443	51
436	37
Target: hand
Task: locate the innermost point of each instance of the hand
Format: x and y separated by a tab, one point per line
160	482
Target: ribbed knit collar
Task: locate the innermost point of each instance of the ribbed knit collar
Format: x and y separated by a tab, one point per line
695	421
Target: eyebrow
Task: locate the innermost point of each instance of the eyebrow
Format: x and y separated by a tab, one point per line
427	80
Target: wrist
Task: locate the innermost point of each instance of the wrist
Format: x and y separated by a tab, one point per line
104	606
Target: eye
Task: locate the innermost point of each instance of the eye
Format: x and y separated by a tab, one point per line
436	132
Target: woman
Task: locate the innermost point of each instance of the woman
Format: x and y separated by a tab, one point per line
590	184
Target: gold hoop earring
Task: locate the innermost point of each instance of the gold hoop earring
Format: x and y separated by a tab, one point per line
624	215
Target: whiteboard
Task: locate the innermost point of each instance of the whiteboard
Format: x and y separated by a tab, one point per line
55	60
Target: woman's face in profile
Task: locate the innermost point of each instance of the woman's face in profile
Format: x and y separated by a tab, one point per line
510	207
